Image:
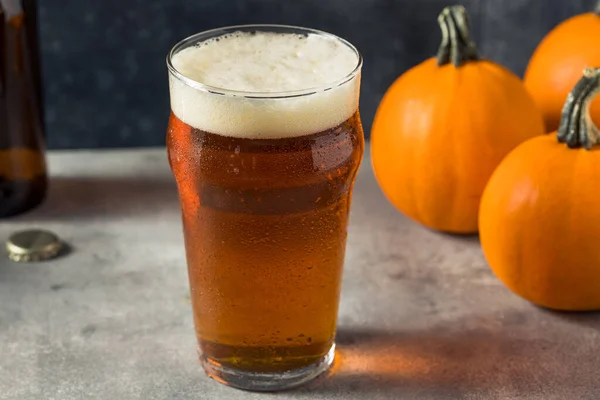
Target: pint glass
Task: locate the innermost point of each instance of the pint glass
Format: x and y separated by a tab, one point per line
264	141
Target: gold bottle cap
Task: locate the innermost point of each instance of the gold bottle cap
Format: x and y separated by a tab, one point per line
33	245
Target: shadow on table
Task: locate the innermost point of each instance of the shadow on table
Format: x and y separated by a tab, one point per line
450	363
585	319
82	198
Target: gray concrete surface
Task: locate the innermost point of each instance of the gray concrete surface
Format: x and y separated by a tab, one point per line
422	317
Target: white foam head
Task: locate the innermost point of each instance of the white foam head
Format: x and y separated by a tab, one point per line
249	69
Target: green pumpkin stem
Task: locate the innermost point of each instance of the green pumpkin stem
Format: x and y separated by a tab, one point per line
457	46
576	127
597	8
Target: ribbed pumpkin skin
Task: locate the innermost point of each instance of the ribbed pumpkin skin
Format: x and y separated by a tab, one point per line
557	63
540	224
440	132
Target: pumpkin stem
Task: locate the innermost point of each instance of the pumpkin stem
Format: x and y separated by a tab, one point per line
576	127
457	46
597	8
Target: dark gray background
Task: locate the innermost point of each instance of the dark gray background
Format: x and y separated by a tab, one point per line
105	74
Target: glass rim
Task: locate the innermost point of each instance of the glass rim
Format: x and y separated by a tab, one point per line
205	35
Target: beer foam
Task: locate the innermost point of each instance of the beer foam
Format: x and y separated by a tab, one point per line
249	69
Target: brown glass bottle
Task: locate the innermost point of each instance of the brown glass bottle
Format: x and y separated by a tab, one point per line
23	177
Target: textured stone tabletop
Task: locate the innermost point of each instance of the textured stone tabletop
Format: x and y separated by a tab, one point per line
421	316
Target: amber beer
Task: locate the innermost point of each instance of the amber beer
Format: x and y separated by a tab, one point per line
265	172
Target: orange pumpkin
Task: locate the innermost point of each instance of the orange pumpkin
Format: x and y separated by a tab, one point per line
540	214
557	63
443	127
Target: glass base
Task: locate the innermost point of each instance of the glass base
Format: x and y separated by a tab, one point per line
267	381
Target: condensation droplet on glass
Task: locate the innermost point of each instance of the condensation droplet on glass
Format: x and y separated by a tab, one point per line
236	170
